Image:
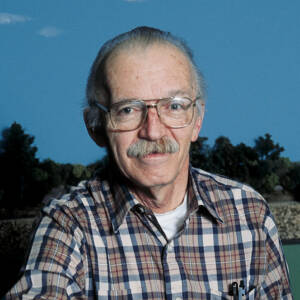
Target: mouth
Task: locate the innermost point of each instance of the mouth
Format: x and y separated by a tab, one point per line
155	157
155	154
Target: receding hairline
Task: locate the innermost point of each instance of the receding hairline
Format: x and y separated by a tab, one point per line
132	47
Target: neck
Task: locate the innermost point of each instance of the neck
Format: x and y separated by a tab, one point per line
163	198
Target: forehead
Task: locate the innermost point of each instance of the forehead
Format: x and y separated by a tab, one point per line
151	72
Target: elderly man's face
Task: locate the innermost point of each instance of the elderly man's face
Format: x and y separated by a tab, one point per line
156	72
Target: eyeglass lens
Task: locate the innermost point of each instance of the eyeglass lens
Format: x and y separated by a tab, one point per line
129	115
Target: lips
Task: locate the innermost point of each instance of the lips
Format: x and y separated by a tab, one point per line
155	154
154	158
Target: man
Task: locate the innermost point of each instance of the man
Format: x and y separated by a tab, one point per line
150	226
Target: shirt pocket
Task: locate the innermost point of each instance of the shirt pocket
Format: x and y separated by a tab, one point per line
219	295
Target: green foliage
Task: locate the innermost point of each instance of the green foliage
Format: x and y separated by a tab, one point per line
223	157
80	171
267	149
99	165
270	181
260	166
291	181
17	145
17	159
199	153
40	175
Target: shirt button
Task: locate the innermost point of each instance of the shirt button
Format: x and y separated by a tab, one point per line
140	209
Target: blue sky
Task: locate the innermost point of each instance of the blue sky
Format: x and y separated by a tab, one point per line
247	50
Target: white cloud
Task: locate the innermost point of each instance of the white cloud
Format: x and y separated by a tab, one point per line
49	31
6	18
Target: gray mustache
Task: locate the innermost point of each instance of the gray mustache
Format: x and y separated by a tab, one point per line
143	147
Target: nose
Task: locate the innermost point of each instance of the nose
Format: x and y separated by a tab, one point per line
152	129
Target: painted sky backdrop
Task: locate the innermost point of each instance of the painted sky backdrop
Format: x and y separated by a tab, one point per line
248	51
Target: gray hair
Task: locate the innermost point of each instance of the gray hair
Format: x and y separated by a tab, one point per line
97	87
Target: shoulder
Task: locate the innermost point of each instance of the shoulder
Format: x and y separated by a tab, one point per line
232	198
223	183
84	204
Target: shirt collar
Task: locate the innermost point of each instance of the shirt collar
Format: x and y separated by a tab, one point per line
119	200
204	191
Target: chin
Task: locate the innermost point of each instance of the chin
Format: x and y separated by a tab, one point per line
149	181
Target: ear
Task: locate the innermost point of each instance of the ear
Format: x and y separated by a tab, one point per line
198	124
98	136
196	129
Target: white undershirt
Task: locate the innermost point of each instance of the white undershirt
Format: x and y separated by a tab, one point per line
171	221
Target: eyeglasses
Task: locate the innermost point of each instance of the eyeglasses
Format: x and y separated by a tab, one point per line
126	115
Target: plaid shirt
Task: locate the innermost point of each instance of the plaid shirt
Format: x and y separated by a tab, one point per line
100	243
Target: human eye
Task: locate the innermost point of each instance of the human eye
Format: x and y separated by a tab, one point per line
176	105
125	111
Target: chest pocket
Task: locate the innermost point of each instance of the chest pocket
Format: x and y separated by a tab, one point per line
251	295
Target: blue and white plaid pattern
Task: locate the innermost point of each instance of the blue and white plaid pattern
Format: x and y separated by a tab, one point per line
100	243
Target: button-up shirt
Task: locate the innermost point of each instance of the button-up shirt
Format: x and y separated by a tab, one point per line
99	242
